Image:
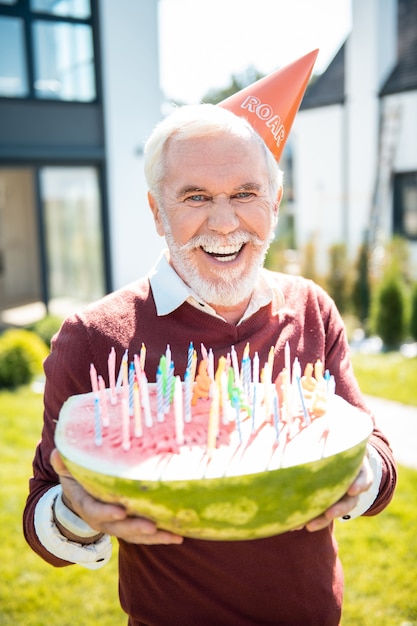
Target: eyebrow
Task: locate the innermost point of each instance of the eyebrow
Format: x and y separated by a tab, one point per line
195	189
190	189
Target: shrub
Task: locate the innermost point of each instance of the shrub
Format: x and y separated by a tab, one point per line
397	259
22	353
338	280
389	312
413	317
308	266
361	291
46	328
15	367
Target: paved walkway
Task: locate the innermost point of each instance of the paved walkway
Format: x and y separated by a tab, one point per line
399	423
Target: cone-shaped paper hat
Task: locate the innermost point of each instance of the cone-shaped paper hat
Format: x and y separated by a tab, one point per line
271	103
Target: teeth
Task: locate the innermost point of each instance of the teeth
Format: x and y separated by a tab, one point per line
224	259
222	250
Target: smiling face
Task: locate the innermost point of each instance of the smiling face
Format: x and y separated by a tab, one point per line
217	214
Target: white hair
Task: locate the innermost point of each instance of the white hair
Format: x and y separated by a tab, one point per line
193	121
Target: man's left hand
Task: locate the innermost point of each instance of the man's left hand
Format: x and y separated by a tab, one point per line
361	483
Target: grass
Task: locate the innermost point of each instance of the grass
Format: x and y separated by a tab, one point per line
389	375
379	554
32	593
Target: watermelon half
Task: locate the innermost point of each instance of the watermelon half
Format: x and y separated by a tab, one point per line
289	487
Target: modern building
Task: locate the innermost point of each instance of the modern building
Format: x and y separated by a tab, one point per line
355	137
79	94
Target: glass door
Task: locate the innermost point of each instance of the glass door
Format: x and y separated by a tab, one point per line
20	272
52	253
70	198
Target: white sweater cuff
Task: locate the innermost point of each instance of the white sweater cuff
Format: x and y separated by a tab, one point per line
367	498
91	556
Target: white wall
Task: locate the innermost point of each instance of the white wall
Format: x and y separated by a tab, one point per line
336	147
319	181
370	56
406	154
132	100
405	158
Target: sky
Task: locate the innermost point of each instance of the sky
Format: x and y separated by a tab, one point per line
203	42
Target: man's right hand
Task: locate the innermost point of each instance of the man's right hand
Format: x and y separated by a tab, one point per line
107	518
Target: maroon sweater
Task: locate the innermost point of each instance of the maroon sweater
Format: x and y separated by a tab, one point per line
290	579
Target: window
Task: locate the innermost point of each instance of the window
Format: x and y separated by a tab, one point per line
68	8
405	205
47	50
13	75
63	61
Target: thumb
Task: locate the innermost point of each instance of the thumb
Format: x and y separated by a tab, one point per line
58	464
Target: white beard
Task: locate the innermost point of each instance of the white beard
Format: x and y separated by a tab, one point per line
229	287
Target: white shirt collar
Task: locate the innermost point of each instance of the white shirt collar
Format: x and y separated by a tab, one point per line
170	291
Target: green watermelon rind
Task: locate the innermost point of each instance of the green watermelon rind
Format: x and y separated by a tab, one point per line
231	508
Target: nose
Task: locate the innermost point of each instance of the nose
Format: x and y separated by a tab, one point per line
222	216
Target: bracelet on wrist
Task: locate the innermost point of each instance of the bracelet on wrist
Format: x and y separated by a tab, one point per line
72	522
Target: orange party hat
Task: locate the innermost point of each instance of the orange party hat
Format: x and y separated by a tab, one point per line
271	104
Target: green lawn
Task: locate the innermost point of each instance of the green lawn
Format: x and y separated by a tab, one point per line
390	376
33	593
379	554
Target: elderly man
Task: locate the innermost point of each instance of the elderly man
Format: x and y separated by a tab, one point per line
215	190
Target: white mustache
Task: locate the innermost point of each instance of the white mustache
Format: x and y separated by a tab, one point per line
234	239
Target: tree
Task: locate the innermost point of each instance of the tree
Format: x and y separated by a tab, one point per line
361	291
237	82
413	317
389	312
337	279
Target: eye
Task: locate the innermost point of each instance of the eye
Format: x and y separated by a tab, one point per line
196	199
244	195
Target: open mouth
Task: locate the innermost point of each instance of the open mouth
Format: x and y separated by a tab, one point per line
223	253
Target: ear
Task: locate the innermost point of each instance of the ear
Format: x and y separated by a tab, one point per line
156	214
278	202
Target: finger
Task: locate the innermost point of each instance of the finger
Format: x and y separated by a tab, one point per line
142	531
58	464
341	508
78	500
162	537
363	480
106	517
95	512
